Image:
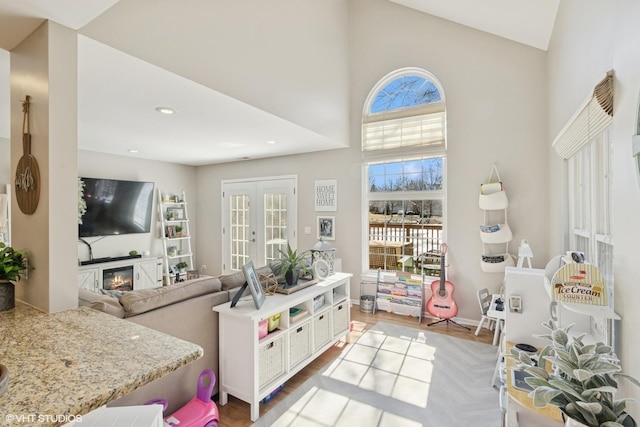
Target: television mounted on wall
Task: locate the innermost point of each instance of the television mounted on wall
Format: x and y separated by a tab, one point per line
116	207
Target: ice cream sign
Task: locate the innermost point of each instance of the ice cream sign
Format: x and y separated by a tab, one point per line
579	283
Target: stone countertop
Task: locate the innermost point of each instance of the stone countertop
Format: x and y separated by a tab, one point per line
69	363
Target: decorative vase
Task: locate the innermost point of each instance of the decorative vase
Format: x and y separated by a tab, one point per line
7	295
291	277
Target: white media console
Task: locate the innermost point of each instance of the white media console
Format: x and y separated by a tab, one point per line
130	273
252	367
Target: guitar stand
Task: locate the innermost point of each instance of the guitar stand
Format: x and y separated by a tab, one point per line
448	321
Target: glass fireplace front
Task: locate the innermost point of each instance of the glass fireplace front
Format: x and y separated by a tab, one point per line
118	279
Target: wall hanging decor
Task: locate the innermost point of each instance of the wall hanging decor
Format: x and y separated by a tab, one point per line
27	173
495	232
326	195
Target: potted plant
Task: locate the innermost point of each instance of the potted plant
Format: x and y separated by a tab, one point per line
178	231
291	264
12	264
583	382
182	267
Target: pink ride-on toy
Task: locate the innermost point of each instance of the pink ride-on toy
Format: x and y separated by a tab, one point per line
200	411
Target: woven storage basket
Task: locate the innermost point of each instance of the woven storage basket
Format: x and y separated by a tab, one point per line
321	330
340	318
299	343
271	360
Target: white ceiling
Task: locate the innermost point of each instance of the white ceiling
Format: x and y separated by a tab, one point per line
209	126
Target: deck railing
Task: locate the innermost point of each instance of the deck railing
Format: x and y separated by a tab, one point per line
404	246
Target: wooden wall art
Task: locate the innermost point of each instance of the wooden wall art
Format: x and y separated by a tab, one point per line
27	172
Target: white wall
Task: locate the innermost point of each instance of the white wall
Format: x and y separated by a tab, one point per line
495	98
43	66
5	161
342	165
495	95
590	38
169	177
287	57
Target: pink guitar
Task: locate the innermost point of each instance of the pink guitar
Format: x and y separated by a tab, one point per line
441	303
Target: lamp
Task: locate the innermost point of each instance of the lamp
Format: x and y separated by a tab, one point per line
323	250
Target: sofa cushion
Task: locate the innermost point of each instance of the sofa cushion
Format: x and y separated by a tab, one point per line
236	279
143	300
101	302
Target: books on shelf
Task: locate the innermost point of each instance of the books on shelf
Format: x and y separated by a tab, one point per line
296	314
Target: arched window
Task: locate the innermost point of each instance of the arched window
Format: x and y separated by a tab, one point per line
403	151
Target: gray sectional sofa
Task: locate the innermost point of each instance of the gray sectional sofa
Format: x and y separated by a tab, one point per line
182	310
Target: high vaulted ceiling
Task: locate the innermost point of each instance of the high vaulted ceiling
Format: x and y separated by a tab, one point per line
135	55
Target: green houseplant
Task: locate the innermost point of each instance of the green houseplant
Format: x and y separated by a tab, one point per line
182	266
12	264
583	382
290	264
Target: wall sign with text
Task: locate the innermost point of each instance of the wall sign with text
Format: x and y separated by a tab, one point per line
326	195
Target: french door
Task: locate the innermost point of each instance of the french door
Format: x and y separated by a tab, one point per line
258	218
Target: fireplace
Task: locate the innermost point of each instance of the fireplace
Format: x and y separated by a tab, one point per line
118	279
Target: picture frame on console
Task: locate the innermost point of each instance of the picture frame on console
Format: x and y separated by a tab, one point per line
253	283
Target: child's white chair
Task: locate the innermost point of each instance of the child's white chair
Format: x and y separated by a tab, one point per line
484	299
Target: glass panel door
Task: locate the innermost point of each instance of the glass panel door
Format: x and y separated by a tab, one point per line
259	217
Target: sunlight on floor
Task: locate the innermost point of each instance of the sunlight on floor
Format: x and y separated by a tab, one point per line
372	364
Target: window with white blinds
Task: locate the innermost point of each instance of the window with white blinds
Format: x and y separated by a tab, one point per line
591	119
403	152
425	131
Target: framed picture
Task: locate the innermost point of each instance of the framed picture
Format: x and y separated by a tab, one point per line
173	269
175	214
327	227
170	231
254	284
326	195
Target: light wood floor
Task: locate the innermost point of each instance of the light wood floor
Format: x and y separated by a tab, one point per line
236	412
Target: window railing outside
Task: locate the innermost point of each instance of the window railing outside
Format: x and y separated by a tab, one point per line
407	247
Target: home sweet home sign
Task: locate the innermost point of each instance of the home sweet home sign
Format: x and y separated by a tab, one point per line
326	195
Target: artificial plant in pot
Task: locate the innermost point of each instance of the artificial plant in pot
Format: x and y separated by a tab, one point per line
12	264
583	381
290	264
182	266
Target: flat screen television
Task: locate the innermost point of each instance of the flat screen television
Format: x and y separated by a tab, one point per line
116	207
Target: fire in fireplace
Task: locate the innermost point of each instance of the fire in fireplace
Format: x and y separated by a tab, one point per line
118	279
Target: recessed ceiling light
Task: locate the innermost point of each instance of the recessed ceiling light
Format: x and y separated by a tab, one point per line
165	110
132	150
271	141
